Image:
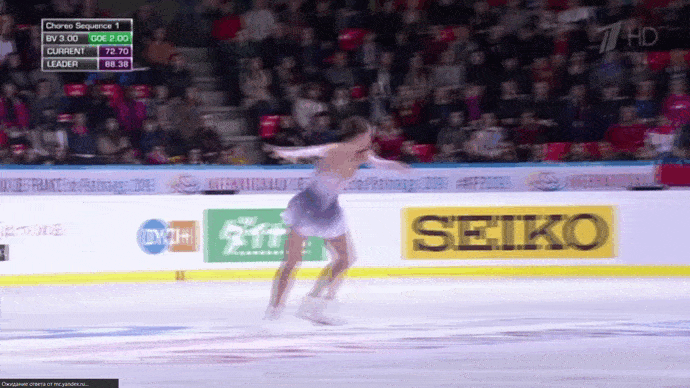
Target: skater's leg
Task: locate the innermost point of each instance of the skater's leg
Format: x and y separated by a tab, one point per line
331	277
293	256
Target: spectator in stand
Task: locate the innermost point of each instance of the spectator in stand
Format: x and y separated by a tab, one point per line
178	78
409	113
379	103
131	113
323	22
157	156
289	80
226	27
112	143
529	137
259	21
438	114
452	139
146	21
277	46
43	115
488	143
448	73
161	107
159	51
387	23
340	75
153	136
98	109
479	73
609	71
341	105
627	138
543	105
311	104
638	73
81	142
511	105
15	73
474	101
514	16
659	140
434	46
360	102
482	19
645	102
388	139
676	106
512	71
385	77
678	68
321	131
256	83
294	18
187	120
368	57
311	54
208	140
610	105
236	56
14	115
418	78
577	72
7	41
576	119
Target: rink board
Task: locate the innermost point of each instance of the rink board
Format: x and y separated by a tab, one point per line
95	239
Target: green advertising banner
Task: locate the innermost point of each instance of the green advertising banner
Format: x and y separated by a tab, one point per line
251	235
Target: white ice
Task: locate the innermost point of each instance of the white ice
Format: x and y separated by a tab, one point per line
460	332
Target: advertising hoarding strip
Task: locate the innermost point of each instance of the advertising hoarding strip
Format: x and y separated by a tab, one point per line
612	271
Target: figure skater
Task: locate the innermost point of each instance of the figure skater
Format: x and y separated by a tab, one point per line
315	212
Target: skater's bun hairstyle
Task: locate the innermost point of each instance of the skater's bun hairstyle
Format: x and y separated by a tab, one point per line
352	127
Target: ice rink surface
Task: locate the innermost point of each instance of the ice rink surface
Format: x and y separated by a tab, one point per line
462	332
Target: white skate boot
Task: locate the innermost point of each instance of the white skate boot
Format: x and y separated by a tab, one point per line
314	309
273	313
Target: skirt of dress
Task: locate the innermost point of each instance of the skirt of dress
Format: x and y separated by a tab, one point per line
315	213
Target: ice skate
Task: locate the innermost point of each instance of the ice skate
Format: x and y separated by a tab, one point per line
314	309
273	313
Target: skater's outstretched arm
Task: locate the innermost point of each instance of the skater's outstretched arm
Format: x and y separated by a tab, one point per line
374	161
294	153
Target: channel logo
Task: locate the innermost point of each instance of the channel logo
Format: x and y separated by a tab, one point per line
157	236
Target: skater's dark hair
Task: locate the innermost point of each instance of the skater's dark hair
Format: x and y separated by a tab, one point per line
352	127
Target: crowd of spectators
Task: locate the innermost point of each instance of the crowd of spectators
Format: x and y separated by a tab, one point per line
441	80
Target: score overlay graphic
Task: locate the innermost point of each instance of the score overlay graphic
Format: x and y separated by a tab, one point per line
86	44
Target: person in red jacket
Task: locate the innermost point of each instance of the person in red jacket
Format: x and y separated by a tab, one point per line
627	138
677	105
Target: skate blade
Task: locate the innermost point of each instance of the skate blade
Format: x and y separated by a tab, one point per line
321	321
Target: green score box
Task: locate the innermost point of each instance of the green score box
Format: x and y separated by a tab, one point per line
96	38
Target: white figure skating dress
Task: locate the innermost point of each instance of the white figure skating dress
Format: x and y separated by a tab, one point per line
315	211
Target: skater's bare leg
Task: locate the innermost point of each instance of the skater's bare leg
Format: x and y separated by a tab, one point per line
293	256
331	277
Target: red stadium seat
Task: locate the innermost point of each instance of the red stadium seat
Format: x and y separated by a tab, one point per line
658	60
358	91
351	38
447	34
113	91
269	126
64	118
425	152
75	90
142	91
556	151
592	149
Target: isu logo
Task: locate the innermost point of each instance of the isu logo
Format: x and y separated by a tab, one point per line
520	232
